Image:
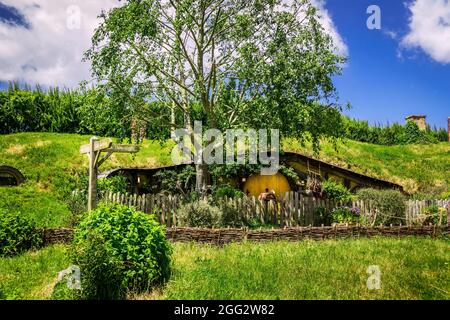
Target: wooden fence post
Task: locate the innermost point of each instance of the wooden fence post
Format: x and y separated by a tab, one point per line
92	191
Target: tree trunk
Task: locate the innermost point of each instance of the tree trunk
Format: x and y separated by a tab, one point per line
202	179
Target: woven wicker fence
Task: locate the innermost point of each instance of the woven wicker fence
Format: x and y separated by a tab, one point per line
224	236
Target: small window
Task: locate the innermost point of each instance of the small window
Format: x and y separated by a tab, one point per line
7	179
10	176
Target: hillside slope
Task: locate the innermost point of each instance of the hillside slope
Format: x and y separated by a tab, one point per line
418	168
53	166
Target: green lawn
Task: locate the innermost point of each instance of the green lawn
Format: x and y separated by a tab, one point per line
412	268
33	274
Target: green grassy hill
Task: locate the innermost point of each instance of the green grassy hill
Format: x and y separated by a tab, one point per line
52	165
421	169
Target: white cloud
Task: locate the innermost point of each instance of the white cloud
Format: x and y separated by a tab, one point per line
430	28
391	34
50	52
329	26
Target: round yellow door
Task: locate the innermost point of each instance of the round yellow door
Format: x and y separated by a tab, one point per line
255	185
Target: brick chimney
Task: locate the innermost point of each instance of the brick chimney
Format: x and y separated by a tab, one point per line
448	129
419	120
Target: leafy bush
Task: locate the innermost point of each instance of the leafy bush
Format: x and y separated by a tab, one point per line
346	215
231	216
174	181
445	195
322	216
413	135
227	191
132	237
17	234
199	214
435	215
103	273
336	191
390	205
113	184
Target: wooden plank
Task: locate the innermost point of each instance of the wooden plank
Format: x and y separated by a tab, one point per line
122	148
98	146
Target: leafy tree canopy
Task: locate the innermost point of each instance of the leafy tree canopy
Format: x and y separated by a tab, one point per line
254	63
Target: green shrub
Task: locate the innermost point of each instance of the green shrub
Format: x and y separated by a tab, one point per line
134	238
414	135
322	216
113	184
346	215
102	272
175	181
231	216
390	205
199	214
435	215
17	234
227	191
445	195
336	191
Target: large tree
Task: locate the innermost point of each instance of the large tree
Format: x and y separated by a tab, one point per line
252	63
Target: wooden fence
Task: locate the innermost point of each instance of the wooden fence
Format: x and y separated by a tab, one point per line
291	210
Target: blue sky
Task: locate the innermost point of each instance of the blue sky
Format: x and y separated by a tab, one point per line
383	80
402	69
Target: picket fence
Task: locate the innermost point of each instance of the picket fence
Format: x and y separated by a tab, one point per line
293	209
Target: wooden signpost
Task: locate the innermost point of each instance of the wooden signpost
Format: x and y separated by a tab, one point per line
94	151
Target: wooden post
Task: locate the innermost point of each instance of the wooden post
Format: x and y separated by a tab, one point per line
92	195
94	150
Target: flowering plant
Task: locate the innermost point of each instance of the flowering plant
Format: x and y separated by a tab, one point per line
346	215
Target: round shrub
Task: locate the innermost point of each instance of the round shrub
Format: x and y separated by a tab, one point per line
231	216
17	234
133	238
390	205
199	214
227	191
102	273
336	191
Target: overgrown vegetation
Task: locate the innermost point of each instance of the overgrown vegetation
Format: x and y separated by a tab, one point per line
199	214
133	244
18	233
389	204
423	170
102	272
336	191
395	134
33	274
346	215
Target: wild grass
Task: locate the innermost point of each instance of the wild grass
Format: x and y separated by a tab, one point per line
42	206
411	268
32	275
